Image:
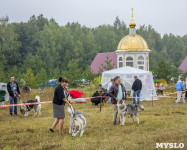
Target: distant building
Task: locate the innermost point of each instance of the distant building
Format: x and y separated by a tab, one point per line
100	59
183	66
132	51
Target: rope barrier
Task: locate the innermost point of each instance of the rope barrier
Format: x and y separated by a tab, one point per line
48	102
79	99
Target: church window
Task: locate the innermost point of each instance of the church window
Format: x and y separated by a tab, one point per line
120	62
140	62
129	61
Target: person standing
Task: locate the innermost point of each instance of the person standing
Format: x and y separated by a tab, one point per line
136	87
179	88
180	76
160	88
117	92
14	93
108	88
110	84
61	95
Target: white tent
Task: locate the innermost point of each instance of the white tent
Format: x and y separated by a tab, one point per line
3	87
127	76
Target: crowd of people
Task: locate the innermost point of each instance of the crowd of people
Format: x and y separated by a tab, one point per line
136	87
115	91
159	88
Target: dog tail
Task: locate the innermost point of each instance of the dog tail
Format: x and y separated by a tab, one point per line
37	98
141	107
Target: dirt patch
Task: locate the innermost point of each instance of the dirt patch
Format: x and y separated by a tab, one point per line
157	114
49	146
30	130
178	112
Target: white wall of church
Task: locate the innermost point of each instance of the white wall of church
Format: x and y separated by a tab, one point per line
135	59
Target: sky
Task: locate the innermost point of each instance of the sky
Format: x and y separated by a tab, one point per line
165	16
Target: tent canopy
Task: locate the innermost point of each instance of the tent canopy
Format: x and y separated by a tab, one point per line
127	77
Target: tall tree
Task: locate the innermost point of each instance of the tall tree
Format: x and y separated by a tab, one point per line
107	65
162	70
88	75
9	46
73	73
57	73
30	78
41	76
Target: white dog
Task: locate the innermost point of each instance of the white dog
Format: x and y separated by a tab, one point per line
77	122
182	99
36	107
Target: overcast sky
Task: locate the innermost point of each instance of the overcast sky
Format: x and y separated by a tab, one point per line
166	16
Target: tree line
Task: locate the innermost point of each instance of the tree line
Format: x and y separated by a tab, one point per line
43	49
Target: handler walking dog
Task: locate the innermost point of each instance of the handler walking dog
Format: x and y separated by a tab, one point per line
117	92
60	98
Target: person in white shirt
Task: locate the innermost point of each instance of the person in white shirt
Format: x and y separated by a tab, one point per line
108	88
110	84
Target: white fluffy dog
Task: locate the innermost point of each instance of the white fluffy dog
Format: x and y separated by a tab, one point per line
77	122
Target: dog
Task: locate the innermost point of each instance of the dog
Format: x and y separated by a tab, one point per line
77	122
40	90
182	99
24	109
128	109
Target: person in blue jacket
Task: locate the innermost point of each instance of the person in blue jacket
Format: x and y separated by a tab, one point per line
179	87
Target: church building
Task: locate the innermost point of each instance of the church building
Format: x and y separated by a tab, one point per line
131	51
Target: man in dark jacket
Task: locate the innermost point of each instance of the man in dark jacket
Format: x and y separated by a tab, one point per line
136	87
14	93
117	92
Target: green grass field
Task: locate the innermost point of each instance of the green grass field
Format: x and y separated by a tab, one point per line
165	122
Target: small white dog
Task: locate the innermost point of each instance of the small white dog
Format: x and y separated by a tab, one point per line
182	99
77	122
36	107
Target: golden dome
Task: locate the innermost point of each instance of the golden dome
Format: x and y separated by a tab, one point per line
132	42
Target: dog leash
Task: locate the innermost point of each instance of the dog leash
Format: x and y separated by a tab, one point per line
72	111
